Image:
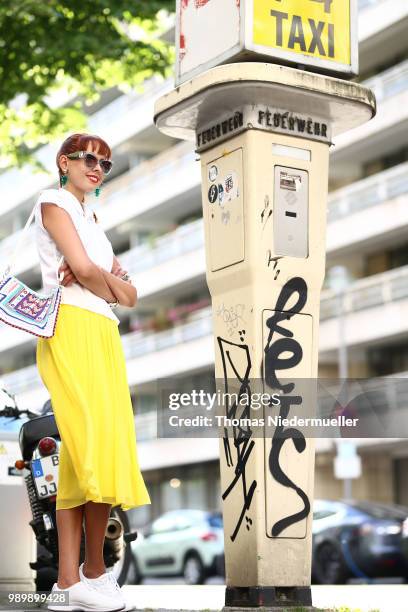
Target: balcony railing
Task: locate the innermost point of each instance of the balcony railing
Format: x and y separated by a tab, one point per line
135	184
363	4
367	293
184	239
364	194
141	343
19	184
390	82
150	177
135	345
127	103
368	192
364	294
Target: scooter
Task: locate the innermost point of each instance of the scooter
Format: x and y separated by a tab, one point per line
39	442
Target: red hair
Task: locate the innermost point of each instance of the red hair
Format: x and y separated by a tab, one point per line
79	142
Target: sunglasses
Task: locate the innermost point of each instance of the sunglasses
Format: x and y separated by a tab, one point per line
91	161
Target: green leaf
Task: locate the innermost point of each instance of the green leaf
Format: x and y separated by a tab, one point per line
80	47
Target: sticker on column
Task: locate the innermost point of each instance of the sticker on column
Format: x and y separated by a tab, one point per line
225	218
230	187
212	194
213	173
220	194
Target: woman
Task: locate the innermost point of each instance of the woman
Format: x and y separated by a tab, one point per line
84	369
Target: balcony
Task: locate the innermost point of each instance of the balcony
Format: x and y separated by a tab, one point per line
176	257
156	268
161	179
121	120
170	182
168	178
375	309
383	194
138	344
179	258
149	356
130	114
383	197
188	346
386	132
382	29
389	83
184	239
364	4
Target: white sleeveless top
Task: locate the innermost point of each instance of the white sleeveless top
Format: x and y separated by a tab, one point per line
94	239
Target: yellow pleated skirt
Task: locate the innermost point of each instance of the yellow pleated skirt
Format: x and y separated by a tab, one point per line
84	369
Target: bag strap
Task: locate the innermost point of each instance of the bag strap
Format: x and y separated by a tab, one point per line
20	243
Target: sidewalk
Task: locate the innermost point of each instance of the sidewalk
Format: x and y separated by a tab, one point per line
347	598
161	597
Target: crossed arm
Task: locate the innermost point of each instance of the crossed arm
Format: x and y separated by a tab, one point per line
116	285
78	267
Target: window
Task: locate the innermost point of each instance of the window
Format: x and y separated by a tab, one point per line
164	524
215	520
323	514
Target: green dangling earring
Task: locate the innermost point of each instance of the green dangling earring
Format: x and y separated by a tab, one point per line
63	180
97	192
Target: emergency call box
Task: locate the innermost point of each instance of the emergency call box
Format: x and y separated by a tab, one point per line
317	34
291	212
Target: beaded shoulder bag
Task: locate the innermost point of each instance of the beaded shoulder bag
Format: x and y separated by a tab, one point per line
24	308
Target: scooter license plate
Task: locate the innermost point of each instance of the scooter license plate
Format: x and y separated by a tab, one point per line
45	473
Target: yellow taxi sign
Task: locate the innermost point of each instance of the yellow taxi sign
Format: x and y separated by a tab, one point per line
316	34
311	32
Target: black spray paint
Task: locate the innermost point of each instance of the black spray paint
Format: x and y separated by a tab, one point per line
273	363
241	435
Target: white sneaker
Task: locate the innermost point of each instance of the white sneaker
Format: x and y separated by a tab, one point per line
83	597
108	585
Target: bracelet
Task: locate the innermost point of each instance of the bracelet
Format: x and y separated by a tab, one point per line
125	277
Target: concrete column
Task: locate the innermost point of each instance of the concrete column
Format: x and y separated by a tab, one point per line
263	133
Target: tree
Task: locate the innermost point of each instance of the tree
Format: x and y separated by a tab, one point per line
76	45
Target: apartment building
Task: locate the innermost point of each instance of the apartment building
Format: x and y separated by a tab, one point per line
151	212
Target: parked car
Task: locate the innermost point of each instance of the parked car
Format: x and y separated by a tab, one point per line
357	539
188	543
